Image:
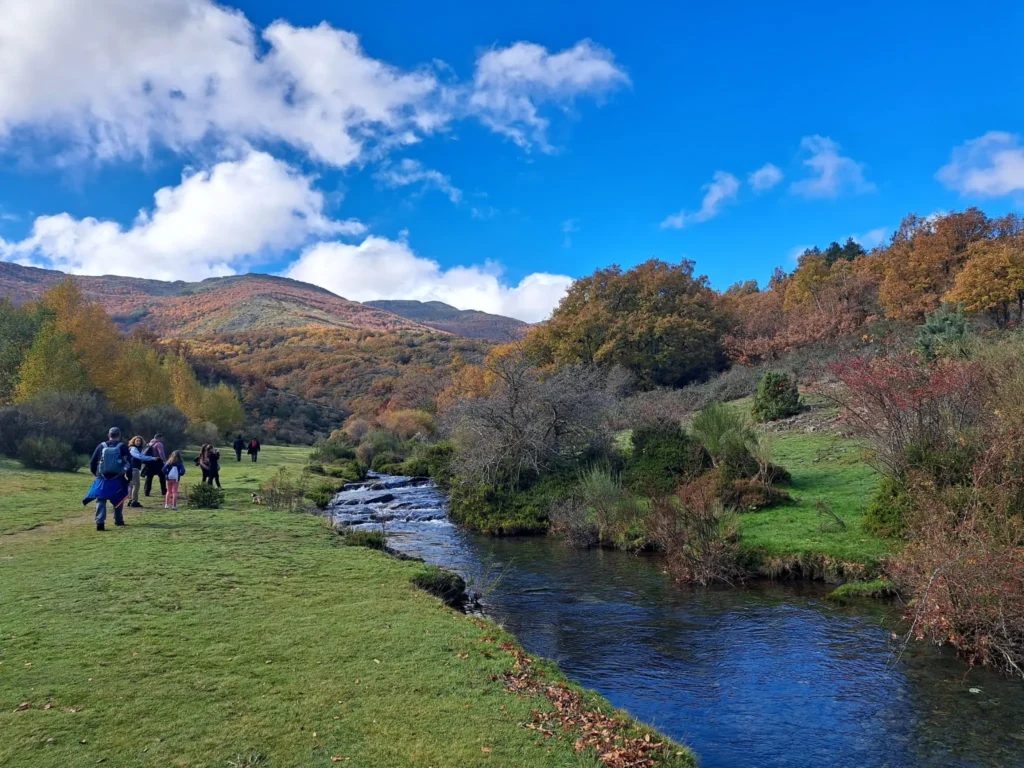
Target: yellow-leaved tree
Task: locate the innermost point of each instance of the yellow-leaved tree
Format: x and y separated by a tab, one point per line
51	365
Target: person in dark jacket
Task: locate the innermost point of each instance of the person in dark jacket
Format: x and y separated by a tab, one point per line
254	449
155	468
239	446
203	461
110	464
213	465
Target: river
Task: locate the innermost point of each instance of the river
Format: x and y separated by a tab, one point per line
770	675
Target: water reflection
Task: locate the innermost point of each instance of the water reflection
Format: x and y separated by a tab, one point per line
767	676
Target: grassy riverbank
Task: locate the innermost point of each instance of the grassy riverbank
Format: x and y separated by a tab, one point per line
241	637
798	534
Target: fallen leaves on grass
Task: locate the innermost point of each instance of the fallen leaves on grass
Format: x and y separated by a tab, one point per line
608	737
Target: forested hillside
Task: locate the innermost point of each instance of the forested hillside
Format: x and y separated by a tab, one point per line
463	322
220	304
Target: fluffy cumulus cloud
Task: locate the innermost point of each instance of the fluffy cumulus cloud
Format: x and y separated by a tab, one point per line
832	173
765	177
380	268
114	78
988	166
722	189
214	223
511	85
412	172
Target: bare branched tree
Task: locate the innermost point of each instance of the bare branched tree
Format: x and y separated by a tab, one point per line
531	420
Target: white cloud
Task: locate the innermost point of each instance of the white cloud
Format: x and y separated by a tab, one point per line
379	268
511	84
115	77
413	172
568	227
214	223
110	79
765	177
723	188
832	172
872	237
988	166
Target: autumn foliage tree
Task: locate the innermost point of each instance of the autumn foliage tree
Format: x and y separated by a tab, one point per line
657	321
78	349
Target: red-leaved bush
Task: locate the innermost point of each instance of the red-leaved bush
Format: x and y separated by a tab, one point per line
964	562
898	403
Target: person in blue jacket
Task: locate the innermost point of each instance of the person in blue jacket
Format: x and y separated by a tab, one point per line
110	463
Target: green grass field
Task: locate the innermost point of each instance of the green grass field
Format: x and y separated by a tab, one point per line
828	469
238	637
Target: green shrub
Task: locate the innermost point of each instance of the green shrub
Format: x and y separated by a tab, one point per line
438	462
943	333
887	511
327	451
284	492
663	457
777	397
508	512
49	454
368	539
204	496
322	494
442	583
162	418
15	426
386	458
349	470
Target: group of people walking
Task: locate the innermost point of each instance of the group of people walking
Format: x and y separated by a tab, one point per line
122	470
253	450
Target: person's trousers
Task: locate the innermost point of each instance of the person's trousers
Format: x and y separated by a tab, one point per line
101	513
212	477
163	484
133	487
171	497
238	455
254	455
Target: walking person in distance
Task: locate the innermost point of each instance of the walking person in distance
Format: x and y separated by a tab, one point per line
239	446
110	464
254	449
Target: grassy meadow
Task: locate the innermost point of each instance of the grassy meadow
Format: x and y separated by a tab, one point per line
240	637
828	469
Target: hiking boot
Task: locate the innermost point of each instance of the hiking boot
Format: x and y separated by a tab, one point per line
100	527
121	524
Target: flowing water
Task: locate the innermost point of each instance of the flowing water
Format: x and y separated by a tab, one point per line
772	675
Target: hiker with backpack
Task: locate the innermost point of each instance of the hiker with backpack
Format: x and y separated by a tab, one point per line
139	461
254	449
155	448
239	446
110	463
174	470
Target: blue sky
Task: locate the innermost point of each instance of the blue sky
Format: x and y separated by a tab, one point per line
416	152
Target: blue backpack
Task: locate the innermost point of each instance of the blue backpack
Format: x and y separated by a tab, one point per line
111	461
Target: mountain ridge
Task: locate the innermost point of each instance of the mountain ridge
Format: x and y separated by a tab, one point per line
229	304
471	323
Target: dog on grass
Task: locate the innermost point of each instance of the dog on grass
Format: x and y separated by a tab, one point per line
256	498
